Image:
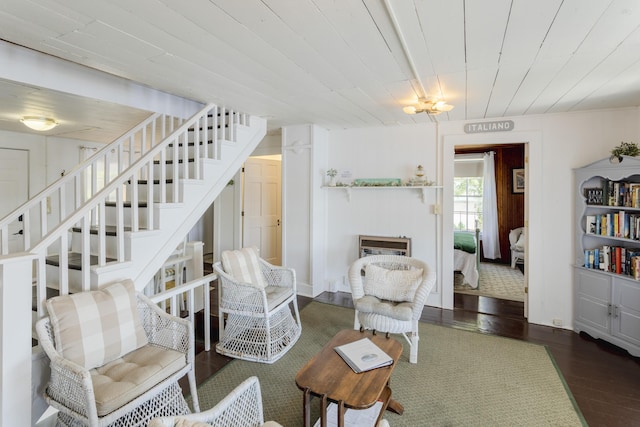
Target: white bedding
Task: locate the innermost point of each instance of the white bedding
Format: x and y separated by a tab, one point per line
465	263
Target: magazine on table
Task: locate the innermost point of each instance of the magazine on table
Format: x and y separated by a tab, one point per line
363	355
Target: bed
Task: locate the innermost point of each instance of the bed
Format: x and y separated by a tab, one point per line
466	256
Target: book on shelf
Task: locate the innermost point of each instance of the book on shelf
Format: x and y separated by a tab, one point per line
635	267
591	224
363	355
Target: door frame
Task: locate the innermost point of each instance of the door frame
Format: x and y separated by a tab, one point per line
532	205
278	237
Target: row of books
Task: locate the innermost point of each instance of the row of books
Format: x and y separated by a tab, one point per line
614	259
614	224
615	193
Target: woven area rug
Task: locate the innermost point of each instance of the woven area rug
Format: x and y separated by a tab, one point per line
495	280
461	379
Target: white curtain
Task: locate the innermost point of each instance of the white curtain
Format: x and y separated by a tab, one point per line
490	238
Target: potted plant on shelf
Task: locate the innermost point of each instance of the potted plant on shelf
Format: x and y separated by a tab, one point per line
331	173
624	149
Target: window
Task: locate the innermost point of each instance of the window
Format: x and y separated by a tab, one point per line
467	203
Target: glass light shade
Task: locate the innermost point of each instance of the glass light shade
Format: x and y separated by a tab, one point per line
409	109
39	123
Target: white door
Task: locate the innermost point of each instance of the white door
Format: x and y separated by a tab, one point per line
14	189
262	208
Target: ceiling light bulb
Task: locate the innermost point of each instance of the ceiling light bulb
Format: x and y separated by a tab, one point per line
409	109
39	123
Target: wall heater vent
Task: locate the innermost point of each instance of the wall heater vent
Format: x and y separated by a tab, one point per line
380	245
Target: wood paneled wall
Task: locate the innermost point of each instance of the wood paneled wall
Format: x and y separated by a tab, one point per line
510	204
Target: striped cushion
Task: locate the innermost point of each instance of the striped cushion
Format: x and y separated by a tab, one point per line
97	327
244	266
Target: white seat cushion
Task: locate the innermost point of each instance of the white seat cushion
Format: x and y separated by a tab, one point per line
94	328
521	243
126	378
395	310
276	295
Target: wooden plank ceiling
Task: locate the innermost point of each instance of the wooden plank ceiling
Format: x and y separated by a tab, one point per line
348	63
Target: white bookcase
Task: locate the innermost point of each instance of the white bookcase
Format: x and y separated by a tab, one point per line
607	303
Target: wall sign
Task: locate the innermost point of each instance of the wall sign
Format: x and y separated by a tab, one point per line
501	126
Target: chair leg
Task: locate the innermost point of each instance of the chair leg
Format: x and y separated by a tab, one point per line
194	390
295	309
356	322
513	261
413	354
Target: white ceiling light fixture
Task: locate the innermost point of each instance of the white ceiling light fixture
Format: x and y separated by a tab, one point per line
431	107
39	123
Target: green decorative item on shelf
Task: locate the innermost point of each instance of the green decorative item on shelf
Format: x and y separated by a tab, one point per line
331	173
625	149
377	182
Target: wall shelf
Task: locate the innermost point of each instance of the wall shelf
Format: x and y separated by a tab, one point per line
422	189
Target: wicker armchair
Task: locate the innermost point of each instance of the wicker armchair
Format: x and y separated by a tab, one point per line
255	321
130	389
389	293
240	408
517	243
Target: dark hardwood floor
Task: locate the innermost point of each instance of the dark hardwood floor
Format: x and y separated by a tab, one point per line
604	379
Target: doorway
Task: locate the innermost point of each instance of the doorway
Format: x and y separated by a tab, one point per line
14	190
533	211
262	206
490	275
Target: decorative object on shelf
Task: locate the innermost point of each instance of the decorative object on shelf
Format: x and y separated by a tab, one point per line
419	177
518	181
331	173
377	182
624	149
429	106
594	196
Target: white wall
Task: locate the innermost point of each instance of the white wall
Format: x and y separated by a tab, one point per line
388	152
558	143
36	146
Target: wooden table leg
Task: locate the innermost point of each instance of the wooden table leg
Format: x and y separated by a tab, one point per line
306	408
341	410
395	407
323	411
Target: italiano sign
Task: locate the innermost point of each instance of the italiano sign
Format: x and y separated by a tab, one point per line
501	126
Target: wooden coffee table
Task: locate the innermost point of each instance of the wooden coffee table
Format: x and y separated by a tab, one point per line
327	376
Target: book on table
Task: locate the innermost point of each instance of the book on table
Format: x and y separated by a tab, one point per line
363	355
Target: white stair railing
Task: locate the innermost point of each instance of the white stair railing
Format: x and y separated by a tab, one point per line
161	167
46	210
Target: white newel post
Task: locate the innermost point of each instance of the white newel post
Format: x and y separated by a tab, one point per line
15	341
195	269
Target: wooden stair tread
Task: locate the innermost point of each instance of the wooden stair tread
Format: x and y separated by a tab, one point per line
155	181
75	260
191	144
126	204
111	230
170	162
208	127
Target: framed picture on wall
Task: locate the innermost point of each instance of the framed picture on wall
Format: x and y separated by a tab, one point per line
518	180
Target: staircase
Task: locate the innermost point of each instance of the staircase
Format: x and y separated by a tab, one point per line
118	215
